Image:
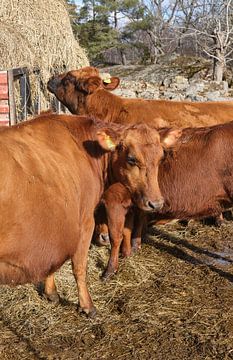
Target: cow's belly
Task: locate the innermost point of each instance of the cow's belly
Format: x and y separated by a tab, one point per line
37	240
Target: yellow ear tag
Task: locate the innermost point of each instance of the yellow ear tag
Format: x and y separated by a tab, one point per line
107	81
109	143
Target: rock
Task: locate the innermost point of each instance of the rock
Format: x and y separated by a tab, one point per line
149	94
173	95
179	83
194	88
125	93
180	80
193	97
167	82
214	97
212	86
169	79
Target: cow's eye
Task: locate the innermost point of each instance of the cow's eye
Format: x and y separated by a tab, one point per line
67	80
131	160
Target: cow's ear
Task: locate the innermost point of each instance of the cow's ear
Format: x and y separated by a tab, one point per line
111	83
89	85
170	137
106	141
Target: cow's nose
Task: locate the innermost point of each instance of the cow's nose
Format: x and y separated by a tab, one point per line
154	205
103	239
52	84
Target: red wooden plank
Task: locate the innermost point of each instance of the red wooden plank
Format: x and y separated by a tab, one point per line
4	102
4	96
4	123
4	117
4	109
3	87
3	77
3	91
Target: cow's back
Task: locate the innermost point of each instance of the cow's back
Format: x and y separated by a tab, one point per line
162	113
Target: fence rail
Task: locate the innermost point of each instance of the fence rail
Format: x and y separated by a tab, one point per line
8	114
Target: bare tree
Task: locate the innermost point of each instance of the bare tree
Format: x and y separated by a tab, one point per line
211	24
161	18
150	25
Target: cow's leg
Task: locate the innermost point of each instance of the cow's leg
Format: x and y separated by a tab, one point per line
50	289
139	221
127	232
116	220
79	267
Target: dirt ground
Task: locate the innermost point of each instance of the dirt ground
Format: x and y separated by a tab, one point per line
172	300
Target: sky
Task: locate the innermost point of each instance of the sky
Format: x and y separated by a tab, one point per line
78	2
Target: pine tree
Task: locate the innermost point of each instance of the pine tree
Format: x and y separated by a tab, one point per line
94	29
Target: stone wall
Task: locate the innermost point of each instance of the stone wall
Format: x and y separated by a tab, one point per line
167	82
180	88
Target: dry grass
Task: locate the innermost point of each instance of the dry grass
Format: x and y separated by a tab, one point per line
173	300
38	34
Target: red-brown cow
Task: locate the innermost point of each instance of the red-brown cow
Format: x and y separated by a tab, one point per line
52	175
195	179
114	216
84	92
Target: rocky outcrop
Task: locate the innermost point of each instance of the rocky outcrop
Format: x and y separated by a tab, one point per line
167	82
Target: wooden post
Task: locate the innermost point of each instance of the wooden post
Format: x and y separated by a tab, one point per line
37	101
12	111
4	99
25	97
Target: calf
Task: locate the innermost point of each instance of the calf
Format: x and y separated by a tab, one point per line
195	178
84	92
53	172
115	216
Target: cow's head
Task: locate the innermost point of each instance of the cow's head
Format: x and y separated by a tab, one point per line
71	88
136	153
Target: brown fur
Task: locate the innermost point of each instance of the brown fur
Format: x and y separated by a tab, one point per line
53	172
84	92
195	178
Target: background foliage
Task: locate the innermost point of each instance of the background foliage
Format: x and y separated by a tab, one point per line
141	31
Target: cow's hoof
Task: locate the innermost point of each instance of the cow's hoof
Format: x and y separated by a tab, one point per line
90	313
135	248
107	275
126	254
54	298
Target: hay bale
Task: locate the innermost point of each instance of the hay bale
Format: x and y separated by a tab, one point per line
38	34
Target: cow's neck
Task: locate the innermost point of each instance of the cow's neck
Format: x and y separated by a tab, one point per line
103	105
83	131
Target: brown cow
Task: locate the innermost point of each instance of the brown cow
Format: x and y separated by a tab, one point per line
114	216
84	92
53	172
195	179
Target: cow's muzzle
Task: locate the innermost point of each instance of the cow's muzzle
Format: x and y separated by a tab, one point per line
103	239
155	205
152	205
53	84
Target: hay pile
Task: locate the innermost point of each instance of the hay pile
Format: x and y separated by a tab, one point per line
172	300
38	34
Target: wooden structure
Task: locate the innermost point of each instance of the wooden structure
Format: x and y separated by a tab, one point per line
8	114
4	99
